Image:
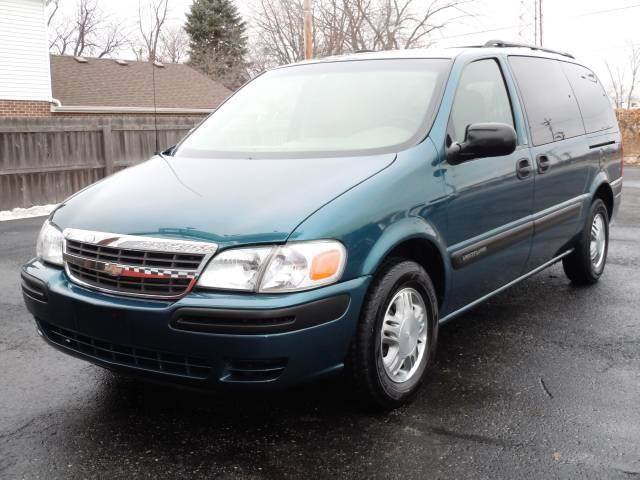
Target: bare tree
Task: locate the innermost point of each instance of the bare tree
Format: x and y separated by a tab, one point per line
87	33
61	38
634	70
334	28
151	20
279	36
342	26
52	6
624	78
61	30
616	79
87	22
111	40
138	51
174	44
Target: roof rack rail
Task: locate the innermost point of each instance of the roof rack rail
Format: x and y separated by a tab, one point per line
503	44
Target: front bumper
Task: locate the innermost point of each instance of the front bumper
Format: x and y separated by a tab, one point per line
205	337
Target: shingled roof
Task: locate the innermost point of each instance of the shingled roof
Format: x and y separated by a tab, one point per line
105	84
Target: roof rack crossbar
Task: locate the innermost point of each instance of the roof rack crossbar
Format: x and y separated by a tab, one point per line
504	44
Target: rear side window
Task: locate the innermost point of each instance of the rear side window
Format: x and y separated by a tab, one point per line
481	97
549	102
594	103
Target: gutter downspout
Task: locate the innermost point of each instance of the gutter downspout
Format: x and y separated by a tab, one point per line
58	108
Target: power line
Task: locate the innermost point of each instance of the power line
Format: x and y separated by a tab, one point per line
483	31
605	11
507	27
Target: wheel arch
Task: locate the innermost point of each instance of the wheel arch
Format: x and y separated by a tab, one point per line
415	239
602	189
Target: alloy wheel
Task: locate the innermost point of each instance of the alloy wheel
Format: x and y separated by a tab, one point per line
403	339
598	242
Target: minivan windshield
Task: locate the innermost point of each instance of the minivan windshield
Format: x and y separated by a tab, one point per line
324	109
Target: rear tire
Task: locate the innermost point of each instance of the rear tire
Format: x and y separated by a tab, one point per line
396	338
586	264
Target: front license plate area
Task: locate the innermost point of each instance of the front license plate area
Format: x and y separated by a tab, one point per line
110	324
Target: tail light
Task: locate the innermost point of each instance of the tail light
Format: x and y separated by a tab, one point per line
621	157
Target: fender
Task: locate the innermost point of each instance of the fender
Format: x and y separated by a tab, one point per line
601	179
408	228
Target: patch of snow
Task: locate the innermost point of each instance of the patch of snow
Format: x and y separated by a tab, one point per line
36	211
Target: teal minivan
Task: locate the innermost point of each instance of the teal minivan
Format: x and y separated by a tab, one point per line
331	215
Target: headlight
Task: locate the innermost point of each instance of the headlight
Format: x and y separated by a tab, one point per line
287	268
49	246
235	269
300	266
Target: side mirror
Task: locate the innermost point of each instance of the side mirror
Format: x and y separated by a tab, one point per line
483	140
169	151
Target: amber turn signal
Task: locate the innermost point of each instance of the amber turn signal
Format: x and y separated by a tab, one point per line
325	265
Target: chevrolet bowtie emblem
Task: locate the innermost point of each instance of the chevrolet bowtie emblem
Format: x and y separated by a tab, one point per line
113	269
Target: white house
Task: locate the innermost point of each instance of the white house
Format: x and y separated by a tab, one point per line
25	80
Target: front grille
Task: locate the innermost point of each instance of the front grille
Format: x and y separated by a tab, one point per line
161	287
133	265
138	258
160	362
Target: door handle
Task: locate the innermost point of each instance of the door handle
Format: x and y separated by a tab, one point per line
523	168
543	163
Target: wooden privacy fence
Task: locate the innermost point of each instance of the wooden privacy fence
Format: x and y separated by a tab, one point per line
44	160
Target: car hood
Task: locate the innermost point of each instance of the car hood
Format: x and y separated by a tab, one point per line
227	201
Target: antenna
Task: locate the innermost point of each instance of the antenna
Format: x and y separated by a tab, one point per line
155	107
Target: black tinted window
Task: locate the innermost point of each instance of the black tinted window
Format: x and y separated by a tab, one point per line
594	103
481	97
549	102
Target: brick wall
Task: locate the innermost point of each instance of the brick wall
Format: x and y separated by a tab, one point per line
24	108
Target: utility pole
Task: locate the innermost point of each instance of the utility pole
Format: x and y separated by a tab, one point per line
308	29
540	19
535	22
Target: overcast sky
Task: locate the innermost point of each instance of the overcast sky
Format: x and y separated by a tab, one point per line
590	29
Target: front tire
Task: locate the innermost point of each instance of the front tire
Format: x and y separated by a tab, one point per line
396	338
586	264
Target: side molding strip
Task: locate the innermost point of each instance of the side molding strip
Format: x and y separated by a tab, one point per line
487	246
478	250
554	218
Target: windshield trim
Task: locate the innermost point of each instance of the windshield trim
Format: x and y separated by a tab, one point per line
422	132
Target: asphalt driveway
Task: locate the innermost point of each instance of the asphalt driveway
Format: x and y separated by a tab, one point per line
543	381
